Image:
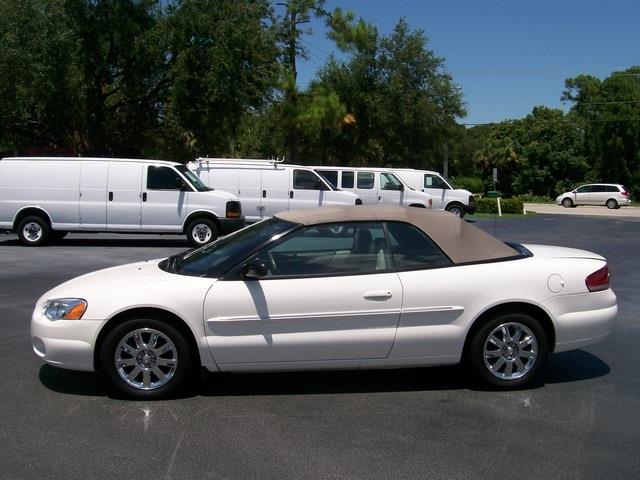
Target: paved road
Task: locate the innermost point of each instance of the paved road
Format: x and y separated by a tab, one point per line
593	211
582	422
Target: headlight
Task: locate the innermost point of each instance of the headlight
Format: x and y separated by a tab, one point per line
64	308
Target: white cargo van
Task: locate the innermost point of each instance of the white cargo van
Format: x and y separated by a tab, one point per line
375	185
266	187
445	197
44	198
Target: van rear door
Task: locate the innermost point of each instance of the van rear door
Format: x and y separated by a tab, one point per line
124	196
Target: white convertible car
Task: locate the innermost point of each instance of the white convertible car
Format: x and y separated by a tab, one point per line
330	288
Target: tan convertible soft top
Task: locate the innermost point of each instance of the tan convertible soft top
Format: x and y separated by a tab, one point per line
462	242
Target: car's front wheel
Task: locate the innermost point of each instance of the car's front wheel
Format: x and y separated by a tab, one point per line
201	231
508	351
146	358
567	203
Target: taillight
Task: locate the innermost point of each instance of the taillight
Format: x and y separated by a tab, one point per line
598	280
625	192
233	209
430	203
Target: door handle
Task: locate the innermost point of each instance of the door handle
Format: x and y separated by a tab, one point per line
378	295
144	196
291	194
111	196
264	194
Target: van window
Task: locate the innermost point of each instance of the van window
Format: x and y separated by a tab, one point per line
389	181
163	178
330	176
434	181
347	180
307	180
365	180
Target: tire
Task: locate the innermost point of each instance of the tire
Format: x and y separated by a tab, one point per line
612	204
201	231
512	364
146	359
34	231
567	202
456	209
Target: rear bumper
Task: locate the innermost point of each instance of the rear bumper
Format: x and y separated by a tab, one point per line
582	319
230	225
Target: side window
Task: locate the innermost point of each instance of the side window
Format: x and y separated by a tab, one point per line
433	181
613	188
584	189
347	179
331	249
599	188
365	180
163	178
412	249
306	180
330	176
389	181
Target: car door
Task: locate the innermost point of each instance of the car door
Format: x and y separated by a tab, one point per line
124	196
583	195
435	186
366	187
308	190
165	199
275	190
322	297
391	189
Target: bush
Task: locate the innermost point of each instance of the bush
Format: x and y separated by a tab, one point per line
490	205
473	184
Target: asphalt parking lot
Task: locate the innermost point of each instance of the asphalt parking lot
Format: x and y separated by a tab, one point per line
581	422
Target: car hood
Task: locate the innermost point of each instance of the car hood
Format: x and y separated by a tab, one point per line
550	251
121	277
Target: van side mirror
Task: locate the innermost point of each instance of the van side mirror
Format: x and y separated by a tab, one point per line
253	269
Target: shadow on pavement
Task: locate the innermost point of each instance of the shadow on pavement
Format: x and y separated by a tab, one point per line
109	242
561	368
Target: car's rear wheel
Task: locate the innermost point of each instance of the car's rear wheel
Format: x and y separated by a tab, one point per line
201	231
612	204
567	203
146	358
508	351
33	231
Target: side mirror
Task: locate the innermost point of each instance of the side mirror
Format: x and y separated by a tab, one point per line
253	269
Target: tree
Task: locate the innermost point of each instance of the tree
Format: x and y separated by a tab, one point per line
609	112
402	102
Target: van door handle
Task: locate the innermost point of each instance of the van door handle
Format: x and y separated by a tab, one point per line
378	295
291	194
111	196
144	196
264	194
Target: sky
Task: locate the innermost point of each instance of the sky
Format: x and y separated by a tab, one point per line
507	56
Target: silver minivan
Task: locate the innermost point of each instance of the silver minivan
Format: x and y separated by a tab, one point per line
612	195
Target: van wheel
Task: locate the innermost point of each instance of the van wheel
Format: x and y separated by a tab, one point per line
201	231
612	204
146	358
508	351
456	209
33	231
567	203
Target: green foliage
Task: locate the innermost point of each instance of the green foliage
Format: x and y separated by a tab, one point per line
507	205
473	184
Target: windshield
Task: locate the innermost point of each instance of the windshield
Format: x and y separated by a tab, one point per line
216	258
193	178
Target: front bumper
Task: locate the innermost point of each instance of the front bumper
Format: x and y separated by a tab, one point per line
470	209
64	343
230	225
